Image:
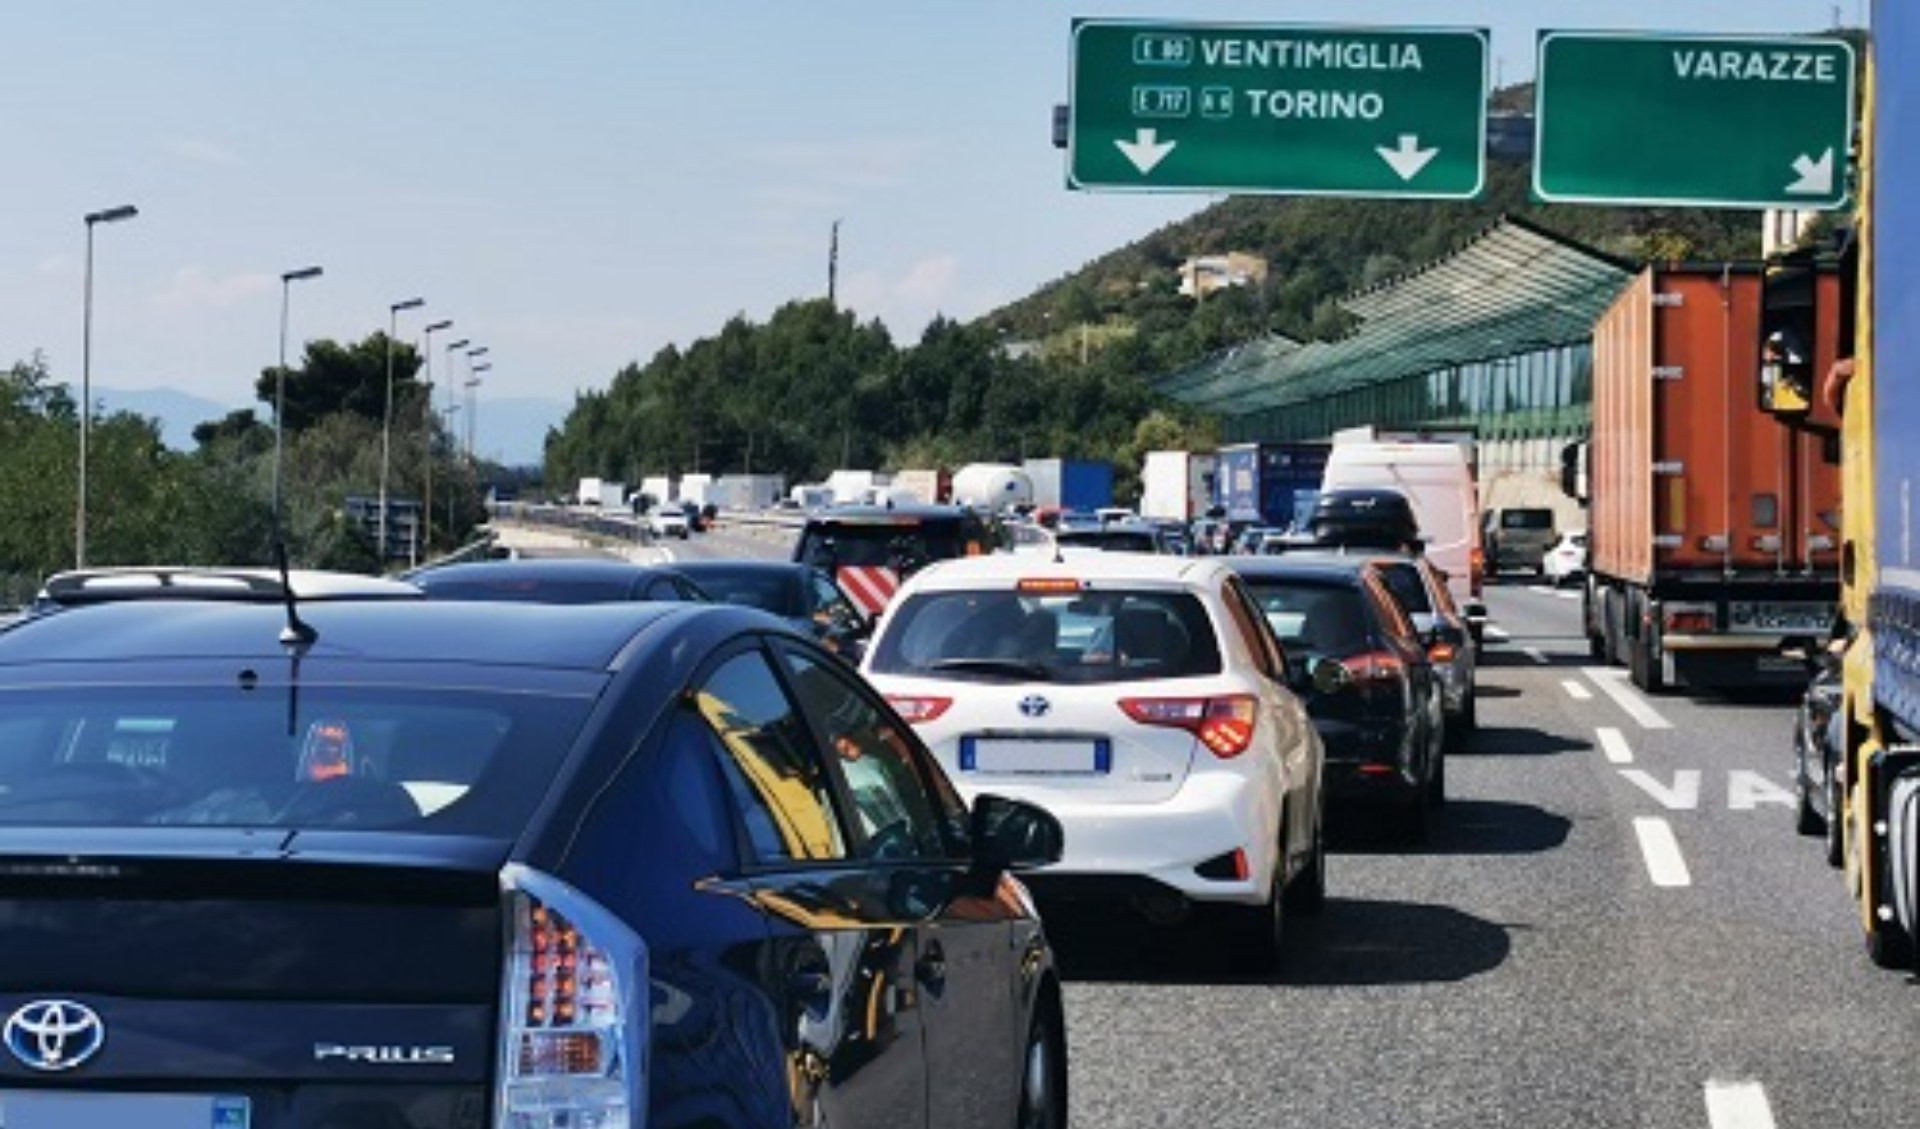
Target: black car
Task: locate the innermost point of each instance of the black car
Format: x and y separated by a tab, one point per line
803	595
556	580
871	550
444	865
1378	705
1819	784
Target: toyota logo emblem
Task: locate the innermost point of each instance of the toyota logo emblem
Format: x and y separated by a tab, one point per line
1033	705
54	1035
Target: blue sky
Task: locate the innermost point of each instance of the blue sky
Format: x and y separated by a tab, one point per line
577	184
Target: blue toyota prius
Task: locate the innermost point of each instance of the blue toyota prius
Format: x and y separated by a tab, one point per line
423	865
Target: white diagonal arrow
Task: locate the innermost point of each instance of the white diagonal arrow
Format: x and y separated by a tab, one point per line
1146	149
1816	177
1409	158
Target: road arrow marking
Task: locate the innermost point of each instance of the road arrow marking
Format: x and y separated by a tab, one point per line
1146	149
1409	158
1816	177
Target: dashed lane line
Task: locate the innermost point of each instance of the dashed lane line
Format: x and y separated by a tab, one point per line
1576	691
1665	864
1614	744
1564	594
1540	589
1537	655
1738	1105
1613	683
1497	634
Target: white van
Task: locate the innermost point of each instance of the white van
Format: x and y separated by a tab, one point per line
1438	482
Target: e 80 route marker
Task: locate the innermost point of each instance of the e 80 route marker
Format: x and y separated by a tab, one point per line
1277	108
1701	120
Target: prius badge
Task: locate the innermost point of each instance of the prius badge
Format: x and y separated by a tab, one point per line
1033	705
54	1035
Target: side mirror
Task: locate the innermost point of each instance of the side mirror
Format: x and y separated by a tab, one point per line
1786	374
1014	835
1329	676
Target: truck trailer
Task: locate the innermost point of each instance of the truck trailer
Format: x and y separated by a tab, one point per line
1177	485
1714	532
1082	485
1271	484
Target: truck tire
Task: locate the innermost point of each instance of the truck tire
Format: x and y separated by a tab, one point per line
1888	946
1643	668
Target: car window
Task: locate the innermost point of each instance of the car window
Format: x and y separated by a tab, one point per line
903	547
1114	635
349	756
774	770
1526	519
1387	610
1442	595
1407	586
662	588
1313	618
828	598
898	817
1253	630
766	589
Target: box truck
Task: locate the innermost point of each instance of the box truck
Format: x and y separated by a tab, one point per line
1714	532
1081	485
1177	485
1271	484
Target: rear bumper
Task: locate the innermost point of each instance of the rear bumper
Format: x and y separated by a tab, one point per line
1367	760
1730	661
1213	814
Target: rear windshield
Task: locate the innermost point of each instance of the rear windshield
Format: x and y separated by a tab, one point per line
775	592
572	590
1407	586
1112	540
348	757
1113	636
1526	519
902	547
1315	619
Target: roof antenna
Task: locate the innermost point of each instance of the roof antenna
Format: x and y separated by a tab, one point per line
297	632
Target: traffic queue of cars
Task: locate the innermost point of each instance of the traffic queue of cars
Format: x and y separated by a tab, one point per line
584	844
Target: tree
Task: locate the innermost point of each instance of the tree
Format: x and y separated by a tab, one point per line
345	378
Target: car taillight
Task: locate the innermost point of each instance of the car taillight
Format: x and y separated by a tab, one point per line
1691	620
918	711
1379	666
1442	652
1224	725
570	1004
1477	570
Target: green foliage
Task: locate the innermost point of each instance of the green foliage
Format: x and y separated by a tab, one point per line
336	378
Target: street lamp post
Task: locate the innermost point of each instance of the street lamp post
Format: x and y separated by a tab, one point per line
108	215
425	536
386	426
473	406
280	378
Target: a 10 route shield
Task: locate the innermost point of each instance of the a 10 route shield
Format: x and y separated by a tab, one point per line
1284	109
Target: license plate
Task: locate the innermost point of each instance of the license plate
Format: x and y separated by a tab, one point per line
43	1109
1023	756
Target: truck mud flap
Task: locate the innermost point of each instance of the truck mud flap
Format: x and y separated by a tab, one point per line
1899	810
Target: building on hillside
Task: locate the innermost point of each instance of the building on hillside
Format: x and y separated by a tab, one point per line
1497	336
1210	274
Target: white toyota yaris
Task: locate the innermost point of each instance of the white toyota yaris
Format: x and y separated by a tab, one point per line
1141	699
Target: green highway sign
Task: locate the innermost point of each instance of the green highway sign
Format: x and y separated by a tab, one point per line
1708	121
1277	108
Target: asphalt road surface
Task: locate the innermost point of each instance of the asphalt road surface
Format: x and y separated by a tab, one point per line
1614	924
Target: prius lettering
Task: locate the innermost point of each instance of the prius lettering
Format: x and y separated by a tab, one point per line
383	1055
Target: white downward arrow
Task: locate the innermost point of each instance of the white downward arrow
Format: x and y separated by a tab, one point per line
1146	149
1409	158
1816	177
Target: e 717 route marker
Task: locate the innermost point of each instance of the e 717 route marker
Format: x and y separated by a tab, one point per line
1700	120
1277	108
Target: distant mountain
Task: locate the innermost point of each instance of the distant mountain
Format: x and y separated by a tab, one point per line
513	430
178	412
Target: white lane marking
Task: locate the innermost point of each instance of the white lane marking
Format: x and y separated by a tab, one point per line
1566	595
1540	589
1683	796
1665	864
1497	634
666	555
1613	683
1576	691
1738	1105
1747	790
1536	654
1614	744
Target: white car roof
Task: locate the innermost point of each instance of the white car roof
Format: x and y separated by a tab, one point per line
997	570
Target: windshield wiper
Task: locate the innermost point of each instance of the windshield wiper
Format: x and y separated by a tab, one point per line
1017	668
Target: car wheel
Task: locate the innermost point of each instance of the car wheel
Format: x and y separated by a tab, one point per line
1256	934
1416	818
1308	890
1888	946
1043	1090
1806	820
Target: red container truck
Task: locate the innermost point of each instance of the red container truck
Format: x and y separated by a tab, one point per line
1714	531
